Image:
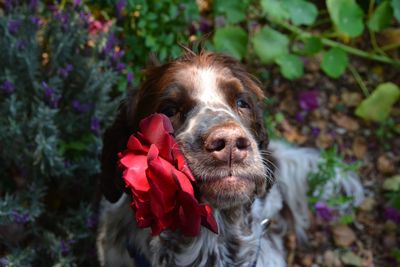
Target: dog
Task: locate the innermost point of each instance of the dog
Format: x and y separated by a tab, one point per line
216	109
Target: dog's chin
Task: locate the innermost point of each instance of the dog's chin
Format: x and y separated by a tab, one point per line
227	192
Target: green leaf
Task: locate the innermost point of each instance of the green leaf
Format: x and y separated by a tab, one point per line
234	11
275	9
334	62
301	12
312	46
347	16
378	105
346	219
232	40
291	66
381	18
392	183
396	9
349	258
270	44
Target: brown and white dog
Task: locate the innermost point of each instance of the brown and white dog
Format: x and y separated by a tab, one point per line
215	106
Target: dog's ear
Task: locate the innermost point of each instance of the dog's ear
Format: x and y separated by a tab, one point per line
114	141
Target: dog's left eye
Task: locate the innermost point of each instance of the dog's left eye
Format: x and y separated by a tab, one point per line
169	111
240	103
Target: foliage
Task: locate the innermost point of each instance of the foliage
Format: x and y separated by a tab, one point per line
337	202
149	27
378	105
55	86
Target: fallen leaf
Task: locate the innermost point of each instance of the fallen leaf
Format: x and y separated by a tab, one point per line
343	236
346	122
378	105
349	258
359	147
307	260
367	258
331	259
368	204
392	183
324	140
291	134
351	99
385	165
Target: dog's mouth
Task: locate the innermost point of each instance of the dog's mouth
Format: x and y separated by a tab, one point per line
229	191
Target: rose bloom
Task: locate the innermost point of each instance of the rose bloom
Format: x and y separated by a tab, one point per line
155	171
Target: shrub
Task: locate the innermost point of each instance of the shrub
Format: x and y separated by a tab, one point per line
55	87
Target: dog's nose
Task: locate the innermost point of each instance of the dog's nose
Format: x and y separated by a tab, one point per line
228	144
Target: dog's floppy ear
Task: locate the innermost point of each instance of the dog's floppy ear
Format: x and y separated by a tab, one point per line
114	141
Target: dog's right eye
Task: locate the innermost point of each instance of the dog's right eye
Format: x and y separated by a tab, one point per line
169	111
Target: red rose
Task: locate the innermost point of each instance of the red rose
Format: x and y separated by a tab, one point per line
160	181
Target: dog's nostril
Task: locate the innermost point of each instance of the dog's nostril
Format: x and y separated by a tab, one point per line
216	145
242	143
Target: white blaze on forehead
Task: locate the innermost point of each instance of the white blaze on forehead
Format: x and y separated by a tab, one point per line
206	85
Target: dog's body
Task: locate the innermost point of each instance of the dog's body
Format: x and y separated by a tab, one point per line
215	107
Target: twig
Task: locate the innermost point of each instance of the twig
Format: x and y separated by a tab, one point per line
304	35
359	80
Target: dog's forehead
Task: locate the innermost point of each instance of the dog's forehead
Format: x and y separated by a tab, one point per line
204	84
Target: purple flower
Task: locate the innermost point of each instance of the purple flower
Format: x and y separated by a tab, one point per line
392	214
91	221
81	107
120	7
7	86
21	44
315	131
35	20
299	117
13	26
323	211
3	262
111	42
65	247
33	5
129	77
64	72
50	94
205	26
21	217
308	100
8	5
77	2
120	67
95	125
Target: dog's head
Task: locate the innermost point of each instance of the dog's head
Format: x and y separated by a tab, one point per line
216	109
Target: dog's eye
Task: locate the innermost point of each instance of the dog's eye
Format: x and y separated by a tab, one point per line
240	103
169	111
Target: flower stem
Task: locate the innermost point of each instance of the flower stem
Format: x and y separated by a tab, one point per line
304	35
359	80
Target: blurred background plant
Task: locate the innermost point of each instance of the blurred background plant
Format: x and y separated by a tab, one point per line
66	64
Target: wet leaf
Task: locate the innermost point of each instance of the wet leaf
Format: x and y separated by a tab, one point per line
312	46
291	66
301	12
396	9
351	259
347	16
392	183
334	62
270	44
381	18
275	9
232	40
378	105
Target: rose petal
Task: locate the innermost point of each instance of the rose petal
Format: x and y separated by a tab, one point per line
162	186
207	218
135	145
183	182
189	214
135	175
156	130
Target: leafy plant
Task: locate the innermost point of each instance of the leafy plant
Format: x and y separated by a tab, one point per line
56	80
334	202
285	39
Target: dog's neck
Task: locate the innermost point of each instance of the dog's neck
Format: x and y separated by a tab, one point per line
235	244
